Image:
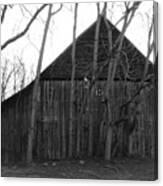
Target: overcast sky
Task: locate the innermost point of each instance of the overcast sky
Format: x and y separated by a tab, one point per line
61	29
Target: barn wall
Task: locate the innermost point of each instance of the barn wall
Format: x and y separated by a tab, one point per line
54	120
51	132
15	120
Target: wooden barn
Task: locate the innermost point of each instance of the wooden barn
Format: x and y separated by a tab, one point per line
52	124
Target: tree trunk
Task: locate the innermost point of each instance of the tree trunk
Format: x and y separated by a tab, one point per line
108	143
91	100
63	123
72	93
78	140
35	95
112	70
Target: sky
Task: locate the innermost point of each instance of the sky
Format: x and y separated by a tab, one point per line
61	29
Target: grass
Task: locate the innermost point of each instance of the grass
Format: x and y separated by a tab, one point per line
118	169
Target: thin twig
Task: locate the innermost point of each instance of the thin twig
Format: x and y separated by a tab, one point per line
55	12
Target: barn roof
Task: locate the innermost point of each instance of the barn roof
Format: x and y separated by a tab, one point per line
60	69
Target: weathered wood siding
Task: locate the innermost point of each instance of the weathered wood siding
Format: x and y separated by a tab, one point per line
53	121
15	120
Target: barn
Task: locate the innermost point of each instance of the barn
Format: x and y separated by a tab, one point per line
52	123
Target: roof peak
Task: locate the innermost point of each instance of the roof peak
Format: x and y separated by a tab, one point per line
61	67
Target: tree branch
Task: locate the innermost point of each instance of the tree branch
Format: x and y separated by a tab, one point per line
11	40
3	13
53	13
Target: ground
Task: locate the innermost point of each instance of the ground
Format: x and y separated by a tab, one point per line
132	169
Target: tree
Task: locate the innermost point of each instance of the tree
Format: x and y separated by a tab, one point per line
13	76
111	61
150	48
114	53
22	73
91	100
72	93
131	118
35	94
36	89
6	74
151	45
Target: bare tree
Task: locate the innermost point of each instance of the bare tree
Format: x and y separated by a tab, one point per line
129	14
15	79
72	93
36	89
22	73
32	74
6	74
150	48
91	100
111	61
12	77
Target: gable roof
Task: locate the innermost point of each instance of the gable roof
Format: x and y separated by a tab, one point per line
60	69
